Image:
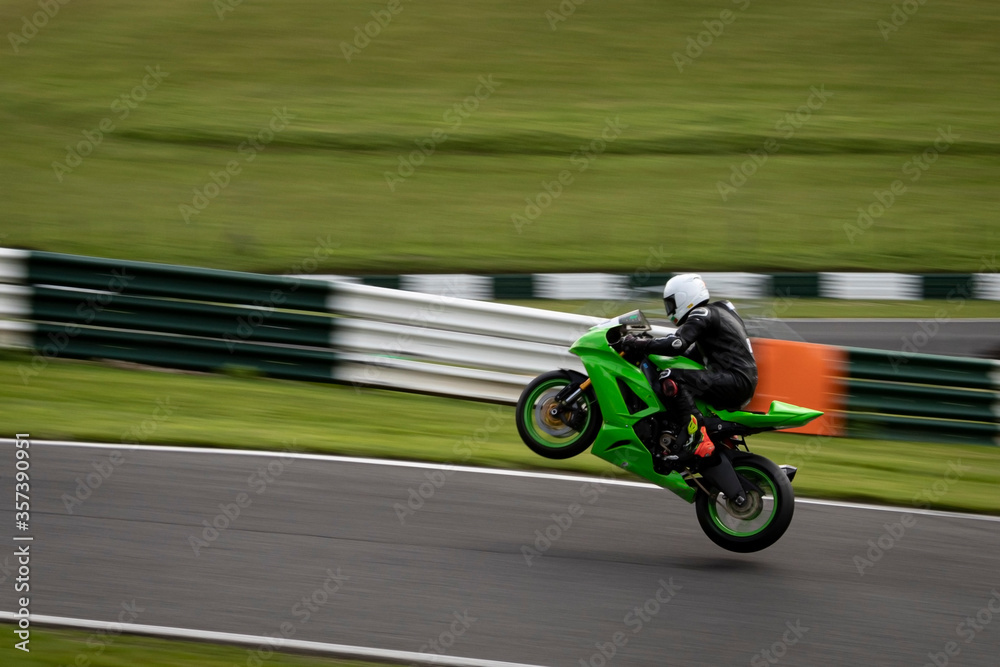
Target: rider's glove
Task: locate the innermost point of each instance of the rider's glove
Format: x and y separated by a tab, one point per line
633	343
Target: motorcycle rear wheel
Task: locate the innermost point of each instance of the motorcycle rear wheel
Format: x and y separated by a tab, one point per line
765	518
551	436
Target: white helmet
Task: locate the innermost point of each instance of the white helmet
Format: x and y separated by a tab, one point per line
683	293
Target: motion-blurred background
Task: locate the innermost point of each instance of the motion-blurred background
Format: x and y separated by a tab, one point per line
690	104
406	137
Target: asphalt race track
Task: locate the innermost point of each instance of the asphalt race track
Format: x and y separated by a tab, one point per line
318	552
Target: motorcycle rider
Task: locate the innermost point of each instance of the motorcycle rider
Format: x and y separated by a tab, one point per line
713	334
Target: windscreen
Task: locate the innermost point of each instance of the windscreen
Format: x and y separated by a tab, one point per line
634	320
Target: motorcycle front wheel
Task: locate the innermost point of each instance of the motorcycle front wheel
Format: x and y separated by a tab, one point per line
568	432
764	518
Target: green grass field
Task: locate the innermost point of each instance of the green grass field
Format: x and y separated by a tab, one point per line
58	648
89	401
656	184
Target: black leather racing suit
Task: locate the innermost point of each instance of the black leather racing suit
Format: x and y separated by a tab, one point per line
714	336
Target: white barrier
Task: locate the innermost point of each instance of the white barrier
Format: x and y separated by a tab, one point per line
581	286
445	345
461	315
890	286
15	302
15	305
450	347
16	334
987	286
736	285
460	285
14	265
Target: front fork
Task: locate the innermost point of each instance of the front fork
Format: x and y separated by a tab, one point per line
570	398
566	397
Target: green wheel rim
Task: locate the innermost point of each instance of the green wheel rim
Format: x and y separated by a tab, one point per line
770	505
531	424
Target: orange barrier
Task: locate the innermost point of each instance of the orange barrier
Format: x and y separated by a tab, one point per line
804	374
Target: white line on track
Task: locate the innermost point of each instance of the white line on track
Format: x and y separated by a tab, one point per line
265	643
483	471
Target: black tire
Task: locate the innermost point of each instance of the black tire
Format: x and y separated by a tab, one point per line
714	514
553	439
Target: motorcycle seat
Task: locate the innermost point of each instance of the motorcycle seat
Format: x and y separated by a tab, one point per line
779	415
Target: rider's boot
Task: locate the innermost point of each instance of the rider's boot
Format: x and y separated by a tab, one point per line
706	447
681	445
698	442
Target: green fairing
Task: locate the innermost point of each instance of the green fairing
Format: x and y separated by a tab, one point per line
617	442
779	415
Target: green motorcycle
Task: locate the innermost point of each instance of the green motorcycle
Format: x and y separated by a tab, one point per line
616	412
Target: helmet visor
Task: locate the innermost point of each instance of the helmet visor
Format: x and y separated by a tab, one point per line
671	305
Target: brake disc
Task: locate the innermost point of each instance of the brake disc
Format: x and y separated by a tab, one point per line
549	417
